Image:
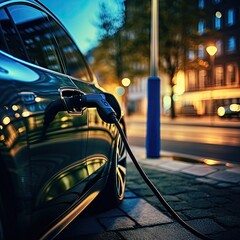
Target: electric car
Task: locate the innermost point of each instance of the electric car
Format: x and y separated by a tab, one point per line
55	157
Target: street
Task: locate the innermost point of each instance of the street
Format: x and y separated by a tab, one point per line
220	142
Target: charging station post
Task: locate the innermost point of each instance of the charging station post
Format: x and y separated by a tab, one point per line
153	107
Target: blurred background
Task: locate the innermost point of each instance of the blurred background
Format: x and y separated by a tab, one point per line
199	52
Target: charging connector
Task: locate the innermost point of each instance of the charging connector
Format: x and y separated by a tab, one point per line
105	110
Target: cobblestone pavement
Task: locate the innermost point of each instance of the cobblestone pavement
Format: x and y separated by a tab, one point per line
206	197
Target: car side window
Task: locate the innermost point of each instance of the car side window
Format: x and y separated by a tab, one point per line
38	40
10	41
74	62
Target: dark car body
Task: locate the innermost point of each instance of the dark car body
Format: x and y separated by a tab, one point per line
52	164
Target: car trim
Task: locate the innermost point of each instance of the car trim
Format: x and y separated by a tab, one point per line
57	228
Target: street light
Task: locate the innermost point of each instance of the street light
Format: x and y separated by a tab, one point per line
124	90
212	50
126	82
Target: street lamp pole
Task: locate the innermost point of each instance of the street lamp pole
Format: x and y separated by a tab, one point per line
212	50
153	110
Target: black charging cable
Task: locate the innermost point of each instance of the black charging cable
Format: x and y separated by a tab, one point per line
152	187
108	115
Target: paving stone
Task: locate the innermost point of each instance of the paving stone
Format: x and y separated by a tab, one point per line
223	185
197	213
176	166
199	170
100	236
230	235
229	221
201	203
129	194
207	180
155	162
206	226
84	226
143	213
117	223
225	176
234	169
115	212
161	232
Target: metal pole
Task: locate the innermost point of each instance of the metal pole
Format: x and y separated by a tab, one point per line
212	59
153	111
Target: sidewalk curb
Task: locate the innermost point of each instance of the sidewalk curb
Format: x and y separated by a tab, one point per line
210	171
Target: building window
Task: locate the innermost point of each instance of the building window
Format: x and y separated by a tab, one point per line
219	75
217	22
201	4
232	74
216	1
191	80
201	52
201	27
191	55
202	78
231	45
219	46
230	17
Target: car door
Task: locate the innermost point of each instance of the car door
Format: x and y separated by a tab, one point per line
101	135
57	141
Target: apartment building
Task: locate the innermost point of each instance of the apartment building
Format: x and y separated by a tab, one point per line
216	80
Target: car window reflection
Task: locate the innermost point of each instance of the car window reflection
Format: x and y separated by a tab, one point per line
73	59
34	29
12	40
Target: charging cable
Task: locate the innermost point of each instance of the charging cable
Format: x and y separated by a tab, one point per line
153	188
108	115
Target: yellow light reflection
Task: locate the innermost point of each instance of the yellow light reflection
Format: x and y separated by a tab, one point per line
210	161
17	115
26	114
179	88
65	125
166	102
221	111
126	82
235	107
21	129
64	119
37	99
14	107
6	120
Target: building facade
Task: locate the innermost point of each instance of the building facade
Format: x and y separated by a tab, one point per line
215	81
212	81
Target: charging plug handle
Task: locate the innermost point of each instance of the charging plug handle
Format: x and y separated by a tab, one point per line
100	102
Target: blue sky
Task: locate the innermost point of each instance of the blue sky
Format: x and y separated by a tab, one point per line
78	16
